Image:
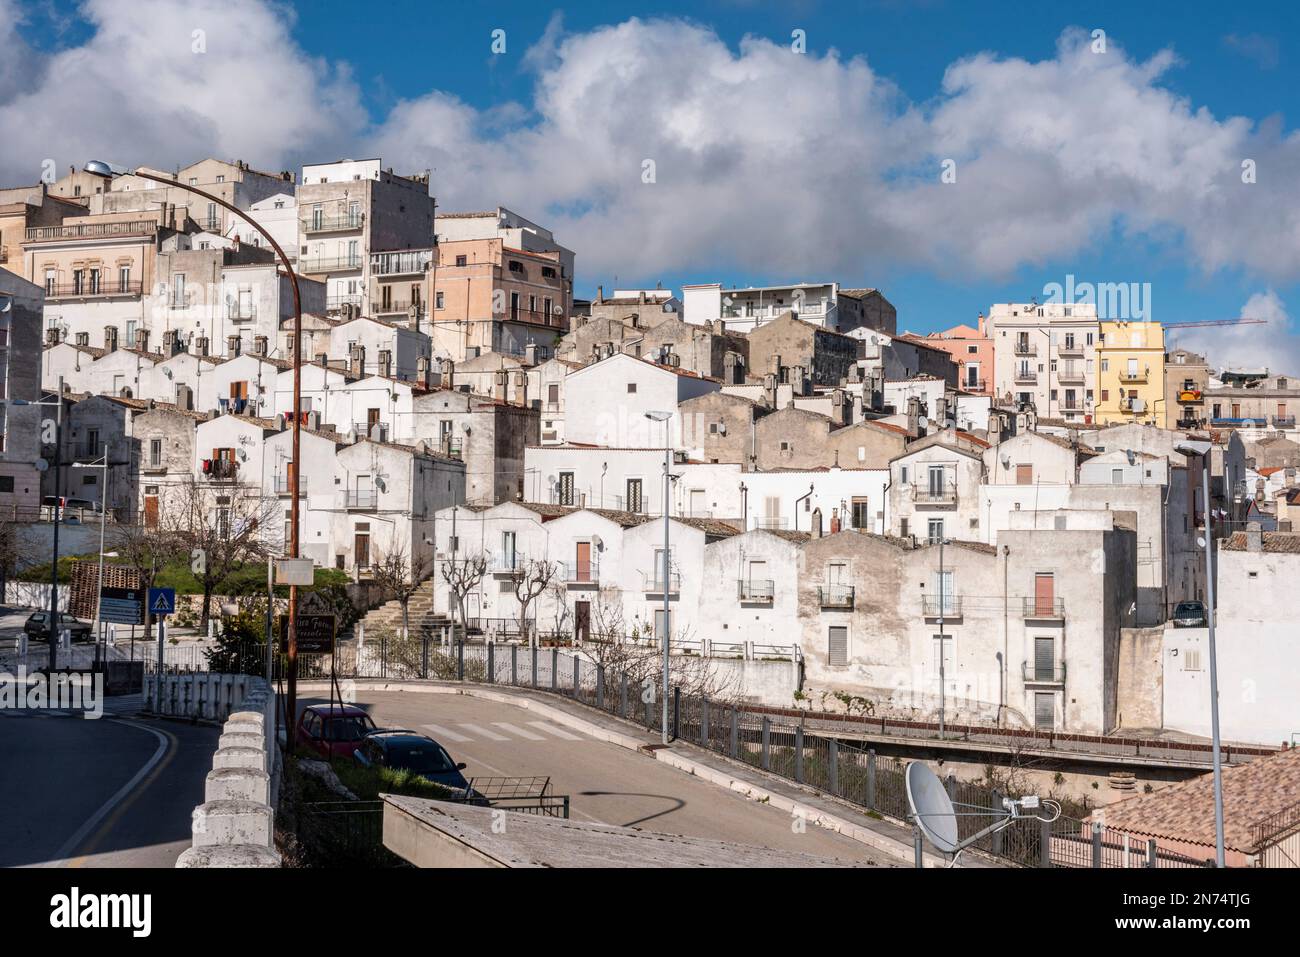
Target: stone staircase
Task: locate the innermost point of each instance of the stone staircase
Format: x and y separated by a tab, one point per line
388	616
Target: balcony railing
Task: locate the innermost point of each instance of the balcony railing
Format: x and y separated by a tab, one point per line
452	448
371	430
1238	423
975	385
951	606
38	234
695	513
362	498
1025	348
1284	421
335	264
284	485
1035	674
580	573
835	596
925	495
1044	609
768	521
1074	350
335	303
755	590
333	224
654	583
507	563
1070	375
220	470
93	290
400	263
1025	378
1139	375
395	306
243	313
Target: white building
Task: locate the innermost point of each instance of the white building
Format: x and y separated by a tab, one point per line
607	402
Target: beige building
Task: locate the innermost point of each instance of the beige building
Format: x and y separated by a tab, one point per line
1187	377
24	208
1046	355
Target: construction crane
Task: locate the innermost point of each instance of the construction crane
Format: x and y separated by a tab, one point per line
1215	322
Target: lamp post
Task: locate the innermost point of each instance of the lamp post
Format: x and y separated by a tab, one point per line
292	639
1201	448
668	451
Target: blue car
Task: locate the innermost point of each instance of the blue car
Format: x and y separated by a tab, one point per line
417	753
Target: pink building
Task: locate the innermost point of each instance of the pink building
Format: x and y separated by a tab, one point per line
972	351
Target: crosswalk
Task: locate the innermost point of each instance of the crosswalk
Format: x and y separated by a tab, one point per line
464	732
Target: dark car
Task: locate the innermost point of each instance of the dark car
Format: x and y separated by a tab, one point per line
334	730
417	753
38	629
1190	614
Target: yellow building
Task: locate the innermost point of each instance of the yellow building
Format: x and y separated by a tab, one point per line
1131	373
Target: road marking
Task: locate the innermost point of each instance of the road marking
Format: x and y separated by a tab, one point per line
441	732
483	732
124	792
552	729
512	729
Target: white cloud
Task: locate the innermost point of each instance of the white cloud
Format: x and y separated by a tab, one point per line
1273	344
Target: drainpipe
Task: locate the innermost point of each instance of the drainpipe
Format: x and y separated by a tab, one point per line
796	506
1006	632
744	507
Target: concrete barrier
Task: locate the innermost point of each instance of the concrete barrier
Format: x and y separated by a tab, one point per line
235	824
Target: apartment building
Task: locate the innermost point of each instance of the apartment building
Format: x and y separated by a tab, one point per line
1187	380
933	488
793	348
235	182
1130	380
488	435
162	454
1260	402
21	308
515	232
824	304
376	347
1046	355
402	286
278	215
608	403
28	207
971	350
348	209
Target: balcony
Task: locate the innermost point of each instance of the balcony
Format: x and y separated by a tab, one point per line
1134	375
1045	676
395	307
654	583
695	513
975	385
284	485
362	498
930	608
210	224
452	448
835	596
756	592
247	312
327	265
1075	406
1022	377
578	574
1284	421
372	430
336	303
93	290
220	470
770	522
507	563
1071	375
1190	396
925	496
333	224
1239	423
51	234
1075	350
233	406
1043	609
1025	348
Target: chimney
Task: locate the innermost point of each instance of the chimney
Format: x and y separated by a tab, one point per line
448	376
769	391
358	363
914	417
774	365
530	354
386	363
816	523
422	371
600	293
521	388
941	411
799	379
733	372
1254	537
499	385
995	428
841	409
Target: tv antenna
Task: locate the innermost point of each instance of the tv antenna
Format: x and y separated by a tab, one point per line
934	814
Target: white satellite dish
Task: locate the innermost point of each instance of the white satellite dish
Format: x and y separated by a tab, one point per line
935	815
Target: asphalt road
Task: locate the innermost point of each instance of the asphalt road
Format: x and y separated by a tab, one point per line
112	792
607	784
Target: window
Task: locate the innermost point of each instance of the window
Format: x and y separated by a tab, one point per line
861	512
548	272
935	531
155	453
1191	659
902	527
437	300
837	646
1105	395
634	495
972	350
902	475
1025	474
517	267
566	488
943	591
1105	365
462	261
6	483
1116	476
942	656
1044	709
631	388
1044	658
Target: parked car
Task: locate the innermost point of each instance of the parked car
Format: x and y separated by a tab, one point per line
334	730
410	751
1190	614
37	626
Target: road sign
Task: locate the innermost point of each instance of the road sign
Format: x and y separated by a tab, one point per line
123	606
162	601
315	633
294	571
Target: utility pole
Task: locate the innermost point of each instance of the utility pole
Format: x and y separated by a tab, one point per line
1214	663
942	674
668	463
58	520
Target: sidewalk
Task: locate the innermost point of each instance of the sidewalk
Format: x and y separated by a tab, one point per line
886	836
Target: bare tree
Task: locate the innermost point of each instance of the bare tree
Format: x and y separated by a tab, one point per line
145	549
11	546
462	577
530	579
399	576
221	528
559	602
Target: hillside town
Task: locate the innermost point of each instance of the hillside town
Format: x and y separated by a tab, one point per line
1018	503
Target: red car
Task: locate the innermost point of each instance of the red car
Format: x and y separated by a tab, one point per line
334	730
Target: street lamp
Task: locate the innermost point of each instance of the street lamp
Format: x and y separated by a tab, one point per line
292	641
58	517
1202	448
668	451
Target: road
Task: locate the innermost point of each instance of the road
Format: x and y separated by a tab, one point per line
607	784
113	792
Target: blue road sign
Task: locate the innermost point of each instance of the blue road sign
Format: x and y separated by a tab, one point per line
122	606
162	601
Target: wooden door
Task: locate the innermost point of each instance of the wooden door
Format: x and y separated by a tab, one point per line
1044	593
582	563
151	511
582	620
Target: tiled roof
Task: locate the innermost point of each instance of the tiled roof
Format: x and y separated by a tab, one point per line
857	293
1287	542
1185	811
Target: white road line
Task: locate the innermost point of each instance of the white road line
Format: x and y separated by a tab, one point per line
513	729
552	729
440	732
483	732
64	854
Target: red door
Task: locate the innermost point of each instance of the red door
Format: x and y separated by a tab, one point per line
582	565
1044	593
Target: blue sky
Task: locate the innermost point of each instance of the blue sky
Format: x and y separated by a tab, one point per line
418	81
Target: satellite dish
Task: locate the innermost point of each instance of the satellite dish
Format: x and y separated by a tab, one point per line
931	807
